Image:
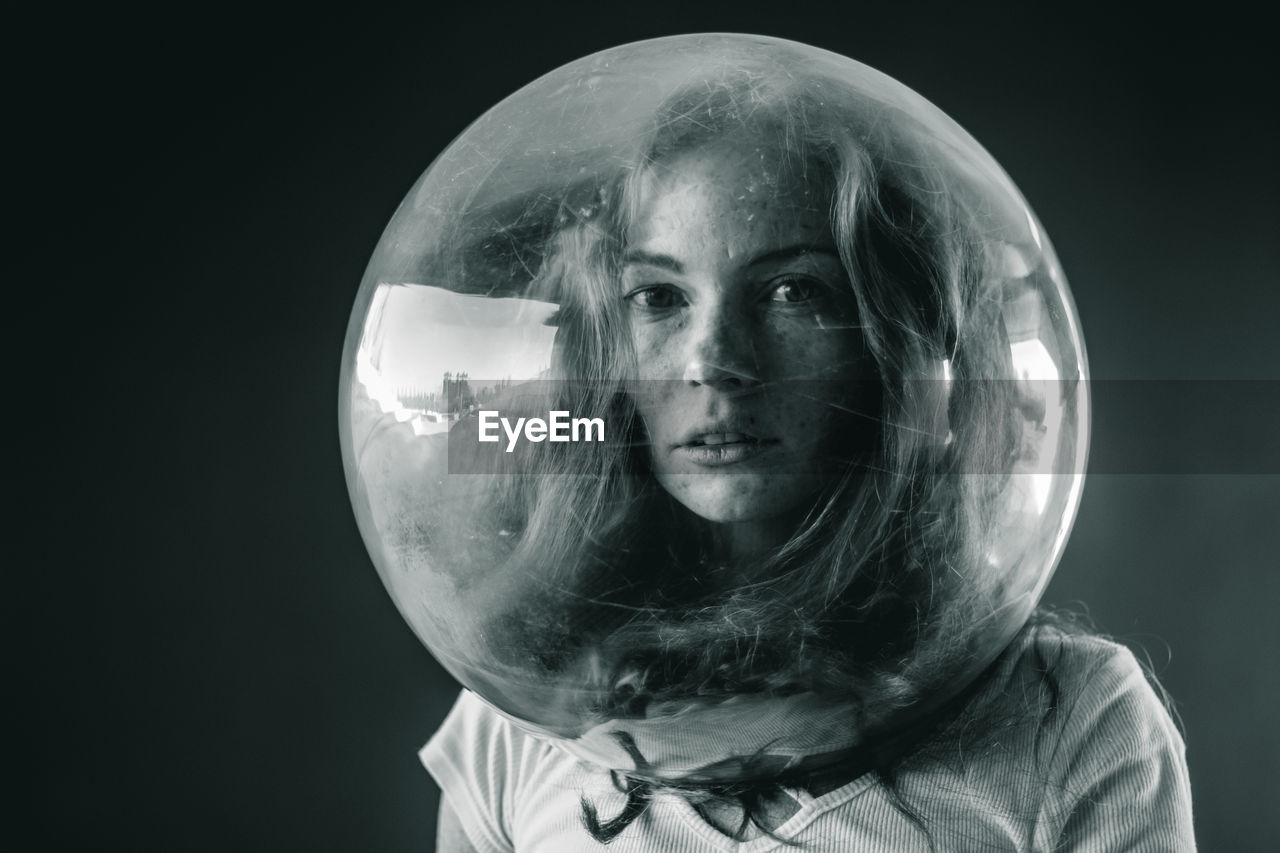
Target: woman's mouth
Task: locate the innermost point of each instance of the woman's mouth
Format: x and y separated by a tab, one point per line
722	438
713	449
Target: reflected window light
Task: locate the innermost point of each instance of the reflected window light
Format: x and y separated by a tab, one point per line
1038	375
414	334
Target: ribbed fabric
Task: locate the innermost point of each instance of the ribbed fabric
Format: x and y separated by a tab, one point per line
1104	771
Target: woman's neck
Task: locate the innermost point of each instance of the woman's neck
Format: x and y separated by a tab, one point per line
745	542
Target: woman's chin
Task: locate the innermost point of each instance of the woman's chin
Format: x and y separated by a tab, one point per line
742	497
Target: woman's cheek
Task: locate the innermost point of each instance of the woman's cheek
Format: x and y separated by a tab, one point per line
656	351
801	353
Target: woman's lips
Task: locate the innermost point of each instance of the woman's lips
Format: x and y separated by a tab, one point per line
723	438
714	449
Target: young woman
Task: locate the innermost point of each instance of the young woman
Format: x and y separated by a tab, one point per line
800	533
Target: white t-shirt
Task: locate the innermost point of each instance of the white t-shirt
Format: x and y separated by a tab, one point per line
1104	770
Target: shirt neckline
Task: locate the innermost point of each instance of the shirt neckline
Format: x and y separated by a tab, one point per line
811	808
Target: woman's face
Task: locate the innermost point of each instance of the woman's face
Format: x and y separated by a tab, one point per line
745	332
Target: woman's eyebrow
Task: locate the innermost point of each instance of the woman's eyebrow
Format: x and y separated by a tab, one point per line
789	252
640	256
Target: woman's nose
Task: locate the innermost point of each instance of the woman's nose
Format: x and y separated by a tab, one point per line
721	352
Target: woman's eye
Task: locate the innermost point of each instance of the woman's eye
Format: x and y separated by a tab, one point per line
794	290
656	297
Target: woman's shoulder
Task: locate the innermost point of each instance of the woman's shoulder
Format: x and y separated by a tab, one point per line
498	778
1077	730
1074	656
1073	694
474	734
1075	673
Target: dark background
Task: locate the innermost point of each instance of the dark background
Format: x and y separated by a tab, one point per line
205	657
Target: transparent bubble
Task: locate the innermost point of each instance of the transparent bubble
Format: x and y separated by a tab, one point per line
714	407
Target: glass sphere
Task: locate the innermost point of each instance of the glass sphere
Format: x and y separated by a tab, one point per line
714	407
